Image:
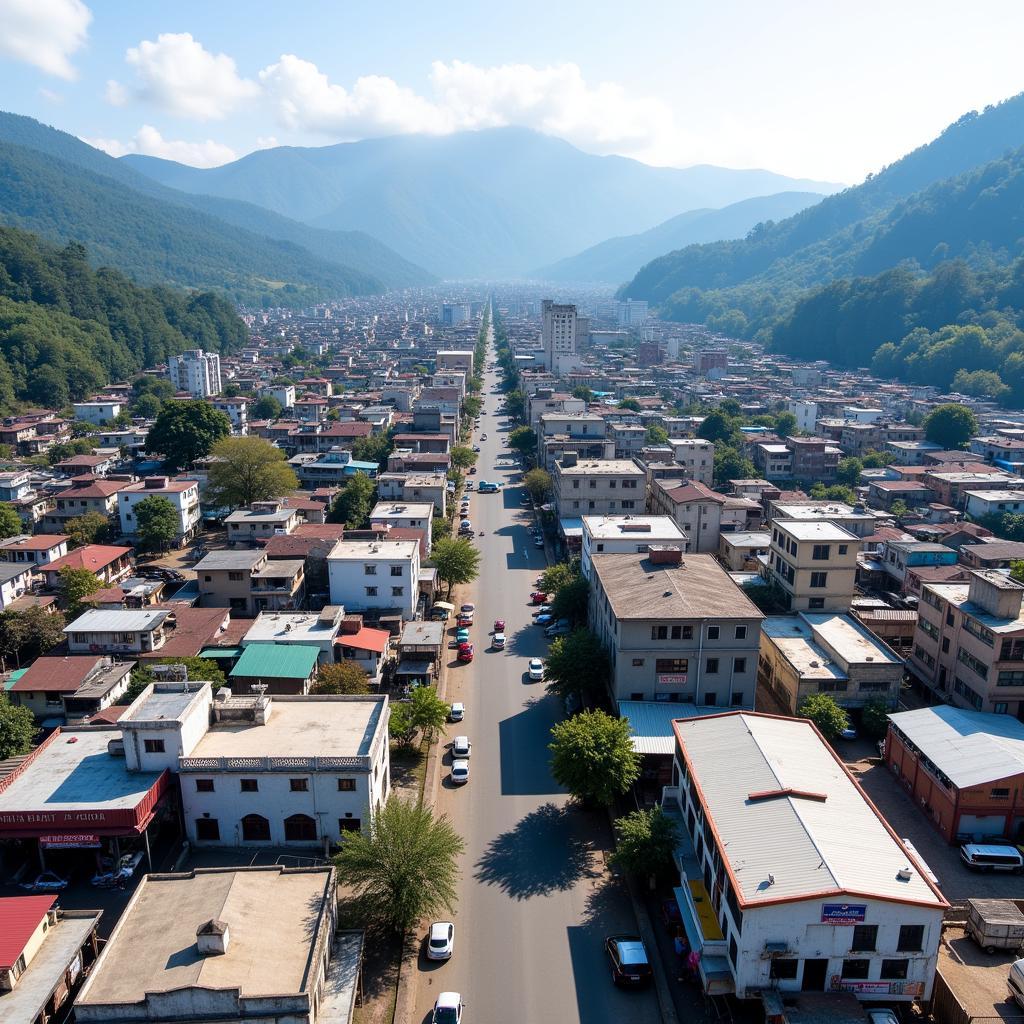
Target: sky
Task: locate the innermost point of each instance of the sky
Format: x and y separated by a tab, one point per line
826	90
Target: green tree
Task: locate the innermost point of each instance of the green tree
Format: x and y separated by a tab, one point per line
68	449
874	718
248	469
1017	570
266	407
785	424
374	448
28	634
185	431
875	460
205	670
834	492
341	677
441	528
400	725
148	406
353	504
645	841
405	867
952	425
899	509
91	528
462	457
731	464
657	434
232	390
849	470
515	403
825	713
631	404
524	441
538	484
472	405
10	522
592	756
572	600
717	426
582	391
17	727
456	560
157	521
74	587
428	712
577	665
981	383
558	575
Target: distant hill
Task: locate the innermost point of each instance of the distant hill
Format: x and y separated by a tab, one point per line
618	259
361	262
497	202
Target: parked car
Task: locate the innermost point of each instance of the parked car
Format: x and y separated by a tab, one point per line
447	1009
46	881
538	542
457	712
464	620
542	610
462	635
460	772
499	625
849	733
461	747
628	955
441	941
544	618
498	641
465	652
557	629
538	597
467	609
536	669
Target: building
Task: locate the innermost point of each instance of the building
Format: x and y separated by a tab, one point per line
814	564
600	487
275	669
455	361
969	642
559	325
695	458
254	944
15	582
964	770
39	550
677	629
375	575
260	521
45	954
417	515
707	360
826	652
627	534
249	582
745	551
695	508
833	902
981	504
85	494
71	688
109	563
317	629
196	372
182	494
98	412
119	631
773	459
814	459
236	410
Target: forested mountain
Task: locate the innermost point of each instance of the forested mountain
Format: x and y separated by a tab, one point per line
360	262
484	203
618	259
66	328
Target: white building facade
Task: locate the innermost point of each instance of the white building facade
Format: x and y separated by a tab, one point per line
375	574
182	494
195	371
558	334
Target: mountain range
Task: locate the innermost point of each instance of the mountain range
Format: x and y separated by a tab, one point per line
491	203
618	259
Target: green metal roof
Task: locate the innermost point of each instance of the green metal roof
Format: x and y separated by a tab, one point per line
14	677
221	652
277	661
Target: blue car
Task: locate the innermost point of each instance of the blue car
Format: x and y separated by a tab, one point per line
544	618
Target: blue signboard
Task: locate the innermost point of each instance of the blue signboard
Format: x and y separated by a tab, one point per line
843	913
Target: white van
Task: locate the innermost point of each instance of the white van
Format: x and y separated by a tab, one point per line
1015	982
992	858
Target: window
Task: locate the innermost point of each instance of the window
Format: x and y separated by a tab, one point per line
371	591
713	632
349	824
153	746
712	666
819	579
815	602
238	603
369	570
396	570
741	632
677	632
659	632
300	828
894	969
1012	650
204	785
974	664
711	699
821	552
1000	707
298	785
911	938
397	591
207	830
1010	679
843	548
255	829
346	785
235	577
628	504
248	785
855	969
737	700
638	662
999	794
671	666
865	938
739	665
784	968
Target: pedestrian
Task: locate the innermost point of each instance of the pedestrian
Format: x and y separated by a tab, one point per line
681	948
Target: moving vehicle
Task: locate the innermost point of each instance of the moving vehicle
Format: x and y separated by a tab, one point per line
476	448
628	955
992	858
536	670
483	437
498	641
461	747
460	772
441	941
465	652
470	483
457	712
447	1009
486	487
499	625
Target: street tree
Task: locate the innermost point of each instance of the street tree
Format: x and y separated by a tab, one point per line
577	665
10	521
405	867
472	406
157	521
538	484
185	431
952	425
400	725
90	528
825	713
267	407
523	440
592	756
74	586
248	469
645	841
353	504
429	713
462	457
556	576
341	677
456	560
28	634
572	600
17	727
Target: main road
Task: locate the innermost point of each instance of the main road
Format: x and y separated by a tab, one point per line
535	898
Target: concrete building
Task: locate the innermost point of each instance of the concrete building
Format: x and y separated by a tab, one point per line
826	652
196	372
15	582
455	361
316	629
814	564
806	414
237	410
814	459
626	534
98	412
833	903
118	631
695	508
182	494
249	582
981	504
261	521
42	549
677	629
378	575
85	494
969	642
559	325
598	487
696	458
405	515
744	551
71	688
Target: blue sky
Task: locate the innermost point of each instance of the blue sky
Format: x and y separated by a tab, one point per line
827	90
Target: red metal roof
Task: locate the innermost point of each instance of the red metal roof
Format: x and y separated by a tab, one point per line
19	918
56	675
92	557
366	640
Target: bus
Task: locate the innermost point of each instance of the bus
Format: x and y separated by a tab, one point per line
486	487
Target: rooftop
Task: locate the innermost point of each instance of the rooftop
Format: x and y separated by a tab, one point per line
290	626
354	549
277	661
118	620
647	527
601	467
816	530
229	560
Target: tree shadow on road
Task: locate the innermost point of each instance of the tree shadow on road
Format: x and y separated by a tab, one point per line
548	851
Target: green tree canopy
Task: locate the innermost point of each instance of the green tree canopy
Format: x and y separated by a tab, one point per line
204	670
592	756
571	600
248	469
185	431
148	406
538	484
157	521
717	426
656	434
10	522
28	634
354	502
631	404
428	712
952	425
874	718
577	664
524	441
341	677
90	528
456	560
462	457
266	407
731	464
645	841
849	470
400	725
17	727
75	586
825	713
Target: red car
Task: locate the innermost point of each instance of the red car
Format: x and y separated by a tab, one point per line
499	625
465	652
538	597
464	620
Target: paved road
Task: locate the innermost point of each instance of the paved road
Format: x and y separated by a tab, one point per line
535	901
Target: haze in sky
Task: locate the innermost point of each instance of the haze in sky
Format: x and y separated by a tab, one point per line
824	90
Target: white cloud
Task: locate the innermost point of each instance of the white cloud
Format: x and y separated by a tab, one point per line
177	74
266	141
44	33
115	94
50	96
149	142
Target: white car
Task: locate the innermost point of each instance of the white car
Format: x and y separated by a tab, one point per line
447	1009
441	943
536	669
460	772
461	747
498	641
458	712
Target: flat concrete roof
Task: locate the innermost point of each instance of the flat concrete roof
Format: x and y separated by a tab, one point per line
402	510
794	638
272	916
638	527
229	560
294	627
353	549
162	705
820	530
301	727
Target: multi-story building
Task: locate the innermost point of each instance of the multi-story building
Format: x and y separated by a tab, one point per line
413	515
261	521
599	487
118	631
814	459
236	409
380	575
98	412
182	494
626	534
814	563
969	642
196	372
695	508
249	582
37	550
695	457
837	903
559	337
676	627
85	494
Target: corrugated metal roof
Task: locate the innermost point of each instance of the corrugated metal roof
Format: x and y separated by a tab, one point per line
277	661
807	845
19	918
118	620
651	722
